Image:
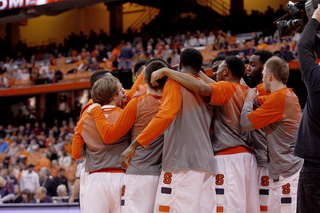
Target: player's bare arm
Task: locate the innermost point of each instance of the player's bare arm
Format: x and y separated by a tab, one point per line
187	81
205	78
128	154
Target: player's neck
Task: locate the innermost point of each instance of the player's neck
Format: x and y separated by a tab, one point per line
155	92
190	71
277	86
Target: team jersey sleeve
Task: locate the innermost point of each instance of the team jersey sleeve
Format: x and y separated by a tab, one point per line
168	110
78	142
269	112
111	133
262	99
222	92
134	87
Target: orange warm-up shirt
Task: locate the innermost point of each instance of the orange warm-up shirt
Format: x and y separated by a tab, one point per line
262	92
111	133
43	162
169	109
129	93
78	141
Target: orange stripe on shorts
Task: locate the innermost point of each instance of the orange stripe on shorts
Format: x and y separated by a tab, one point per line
264	208
164	208
219	208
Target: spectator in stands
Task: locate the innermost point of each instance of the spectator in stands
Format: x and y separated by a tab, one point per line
6	191
17	194
55	168
64	158
44	128
150	52
52	152
126	55
61	179
202	40
43	162
13	149
62	191
36	128
262	45
33	146
29	179
41	196
2	132
27	130
26	196
211	38
10	176
62	195
9	129
47	182
4	146
224	45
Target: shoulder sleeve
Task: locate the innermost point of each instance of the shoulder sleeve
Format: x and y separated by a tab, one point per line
262	99
269	112
168	110
222	92
111	133
78	142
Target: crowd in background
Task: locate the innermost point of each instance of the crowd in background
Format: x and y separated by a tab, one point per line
34	156
83	53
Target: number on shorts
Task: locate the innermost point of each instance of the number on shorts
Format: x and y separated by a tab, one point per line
264	181
167	178
286	189
123	190
219	179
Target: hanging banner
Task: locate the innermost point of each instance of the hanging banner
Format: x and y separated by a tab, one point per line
16	4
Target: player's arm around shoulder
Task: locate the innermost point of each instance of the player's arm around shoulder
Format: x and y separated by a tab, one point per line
247	108
185	80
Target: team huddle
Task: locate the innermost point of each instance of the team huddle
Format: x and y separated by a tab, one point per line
186	143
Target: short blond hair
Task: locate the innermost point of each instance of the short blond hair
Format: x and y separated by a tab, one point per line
278	68
104	89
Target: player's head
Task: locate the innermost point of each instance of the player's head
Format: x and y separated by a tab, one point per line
232	67
276	71
98	75
256	64
158	59
154	66
138	67
191	58
107	91
215	64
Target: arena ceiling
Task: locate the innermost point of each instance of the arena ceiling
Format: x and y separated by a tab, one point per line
19	10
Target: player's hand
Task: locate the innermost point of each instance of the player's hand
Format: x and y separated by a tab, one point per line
71	200
156	76
252	94
128	154
90	108
316	14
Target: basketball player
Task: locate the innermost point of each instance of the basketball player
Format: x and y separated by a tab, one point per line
103	184
186	182
236	168
280	115
141	179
